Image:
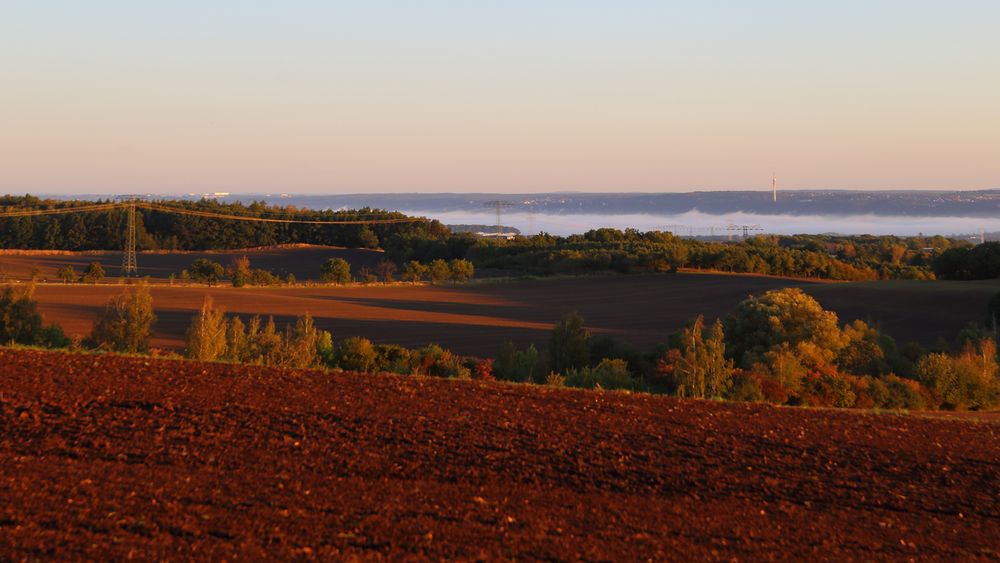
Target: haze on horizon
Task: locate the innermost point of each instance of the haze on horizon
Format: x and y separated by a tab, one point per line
454	96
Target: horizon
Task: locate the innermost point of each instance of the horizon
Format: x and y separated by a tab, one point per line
448	97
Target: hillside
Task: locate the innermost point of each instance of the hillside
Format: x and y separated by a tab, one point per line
112	457
640	309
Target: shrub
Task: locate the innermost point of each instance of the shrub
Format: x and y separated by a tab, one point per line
609	374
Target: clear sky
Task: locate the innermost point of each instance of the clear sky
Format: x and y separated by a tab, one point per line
506	95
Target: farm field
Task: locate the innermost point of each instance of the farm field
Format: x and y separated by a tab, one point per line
303	261
112	457
476	318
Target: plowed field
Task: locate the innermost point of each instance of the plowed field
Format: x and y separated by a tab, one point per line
476	318
112	457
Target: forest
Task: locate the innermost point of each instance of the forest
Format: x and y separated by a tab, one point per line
834	257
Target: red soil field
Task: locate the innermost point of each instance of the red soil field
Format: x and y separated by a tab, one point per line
469	319
107	457
476	318
301	260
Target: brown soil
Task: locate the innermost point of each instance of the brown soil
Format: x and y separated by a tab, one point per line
475	319
113	457
301	260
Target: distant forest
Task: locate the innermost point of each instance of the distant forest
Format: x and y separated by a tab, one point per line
813	256
156	230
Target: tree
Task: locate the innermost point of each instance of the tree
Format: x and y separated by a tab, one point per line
414	271
569	345
94	272
439	271
356	354
461	270
782	317
21	323
302	343
206	338
127	322
335	270
205	271
239	271
700	368
386	269
67	274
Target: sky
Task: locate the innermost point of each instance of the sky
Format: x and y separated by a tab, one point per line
244	96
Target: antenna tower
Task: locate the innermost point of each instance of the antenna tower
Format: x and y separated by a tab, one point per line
774	187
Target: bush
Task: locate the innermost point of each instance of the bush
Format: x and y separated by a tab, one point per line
461	270
439	271
414	271
67	274
609	374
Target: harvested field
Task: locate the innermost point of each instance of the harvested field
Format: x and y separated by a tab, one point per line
303	261
476	318
114	457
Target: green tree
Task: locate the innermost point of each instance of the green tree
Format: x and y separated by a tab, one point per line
127	322
206	337
461	270
569	345
356	354
205	271
94	272
67	274
239	271
782	317
414	271
21	323
439	271
385	270
335	270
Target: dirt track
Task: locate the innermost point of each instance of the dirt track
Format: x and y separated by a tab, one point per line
110	457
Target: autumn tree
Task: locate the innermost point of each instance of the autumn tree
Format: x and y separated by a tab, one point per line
782	318
127	322
67	274
439	271
239	271
206	337
414	271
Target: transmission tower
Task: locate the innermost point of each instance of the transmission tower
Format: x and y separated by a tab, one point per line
129	265
745	229
499	205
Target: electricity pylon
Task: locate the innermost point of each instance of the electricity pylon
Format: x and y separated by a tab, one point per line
499	205
129	266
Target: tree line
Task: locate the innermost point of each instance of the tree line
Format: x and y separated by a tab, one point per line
780	347
812	256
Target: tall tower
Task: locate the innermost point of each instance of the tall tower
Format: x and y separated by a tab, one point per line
774	187
128	256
